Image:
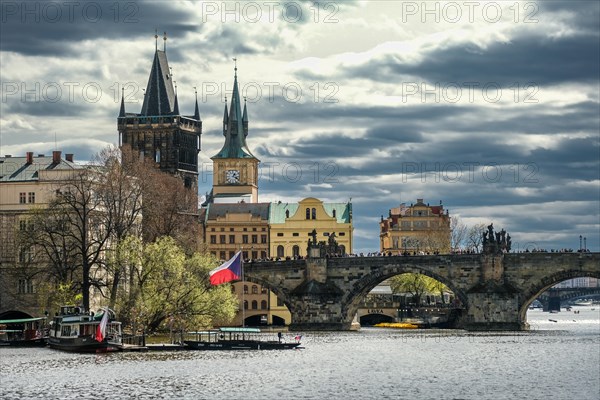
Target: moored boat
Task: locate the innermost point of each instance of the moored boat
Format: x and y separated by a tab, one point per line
238	339
74	329
23	332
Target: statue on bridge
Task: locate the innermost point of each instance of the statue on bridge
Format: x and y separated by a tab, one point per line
498	242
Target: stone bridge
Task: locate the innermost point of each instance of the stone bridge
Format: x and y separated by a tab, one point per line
495	289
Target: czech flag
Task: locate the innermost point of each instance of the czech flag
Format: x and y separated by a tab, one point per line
228	271
101	329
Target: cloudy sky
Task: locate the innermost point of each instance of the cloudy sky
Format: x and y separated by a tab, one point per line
490	107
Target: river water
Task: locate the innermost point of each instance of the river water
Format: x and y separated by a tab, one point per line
556	360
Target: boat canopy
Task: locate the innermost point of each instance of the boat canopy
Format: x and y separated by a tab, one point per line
239	330
19	321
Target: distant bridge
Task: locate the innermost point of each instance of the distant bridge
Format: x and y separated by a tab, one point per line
495	289
552	298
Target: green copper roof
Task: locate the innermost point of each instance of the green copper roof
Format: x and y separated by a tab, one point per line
277	214
235	134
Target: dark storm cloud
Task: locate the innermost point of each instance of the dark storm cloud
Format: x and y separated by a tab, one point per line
525	60
55	27
584	14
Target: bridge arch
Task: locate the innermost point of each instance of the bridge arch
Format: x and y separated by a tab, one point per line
352	299
535	289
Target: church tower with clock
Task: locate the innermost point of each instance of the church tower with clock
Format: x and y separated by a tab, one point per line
235	169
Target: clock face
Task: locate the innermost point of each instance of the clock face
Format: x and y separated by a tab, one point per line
232	176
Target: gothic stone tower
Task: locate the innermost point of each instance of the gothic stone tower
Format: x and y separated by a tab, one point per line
160	132
235	169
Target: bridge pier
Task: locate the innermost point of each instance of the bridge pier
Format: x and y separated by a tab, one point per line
493	312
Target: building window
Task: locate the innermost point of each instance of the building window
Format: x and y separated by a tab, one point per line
263	254
254	305
254	238
254	289
22	225
245	304
157	156
263	290
280	251
263	238
314	213
245	255
244	239
253	229
255	255
296	251
222	255
25	286
213	239
222	239
222	229
308	213
334	213
280	234
287	213
25	255
263	305
32	197
22	198
231	239
245	289
295	234
231	254
212	229
342	234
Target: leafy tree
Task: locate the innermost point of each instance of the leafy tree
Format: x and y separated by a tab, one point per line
417	285
172	290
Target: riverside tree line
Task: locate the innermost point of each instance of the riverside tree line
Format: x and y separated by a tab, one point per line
120	232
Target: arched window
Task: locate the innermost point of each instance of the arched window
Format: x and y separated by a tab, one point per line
245	304
287	213
245	289
263	305
254	289
343	249
314	213
308	213
334	213
254	305
280	251
296	251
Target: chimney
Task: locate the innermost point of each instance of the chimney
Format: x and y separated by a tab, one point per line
29	157
69	157
56	157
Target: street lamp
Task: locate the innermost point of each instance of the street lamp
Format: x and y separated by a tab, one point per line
580	243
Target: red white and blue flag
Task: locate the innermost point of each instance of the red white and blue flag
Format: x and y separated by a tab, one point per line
228	271
101	329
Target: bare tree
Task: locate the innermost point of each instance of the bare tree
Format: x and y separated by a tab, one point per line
458	234
475	236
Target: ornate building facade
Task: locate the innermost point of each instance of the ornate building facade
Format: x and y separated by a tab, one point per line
292	224
26	183
415	229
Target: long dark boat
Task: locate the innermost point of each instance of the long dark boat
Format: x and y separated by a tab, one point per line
23	332
238	339
76	330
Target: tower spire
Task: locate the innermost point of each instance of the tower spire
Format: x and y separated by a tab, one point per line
122	111
196	109
165	42
235	126
176	105
159	97
155	39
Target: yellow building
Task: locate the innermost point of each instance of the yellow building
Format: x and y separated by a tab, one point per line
415	229
291	225
25	183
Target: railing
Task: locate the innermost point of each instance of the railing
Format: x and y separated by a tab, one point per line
134	340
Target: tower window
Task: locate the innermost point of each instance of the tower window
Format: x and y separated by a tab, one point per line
314	213
334	213
287	213
308	213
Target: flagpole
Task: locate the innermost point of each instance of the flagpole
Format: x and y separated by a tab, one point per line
243	290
